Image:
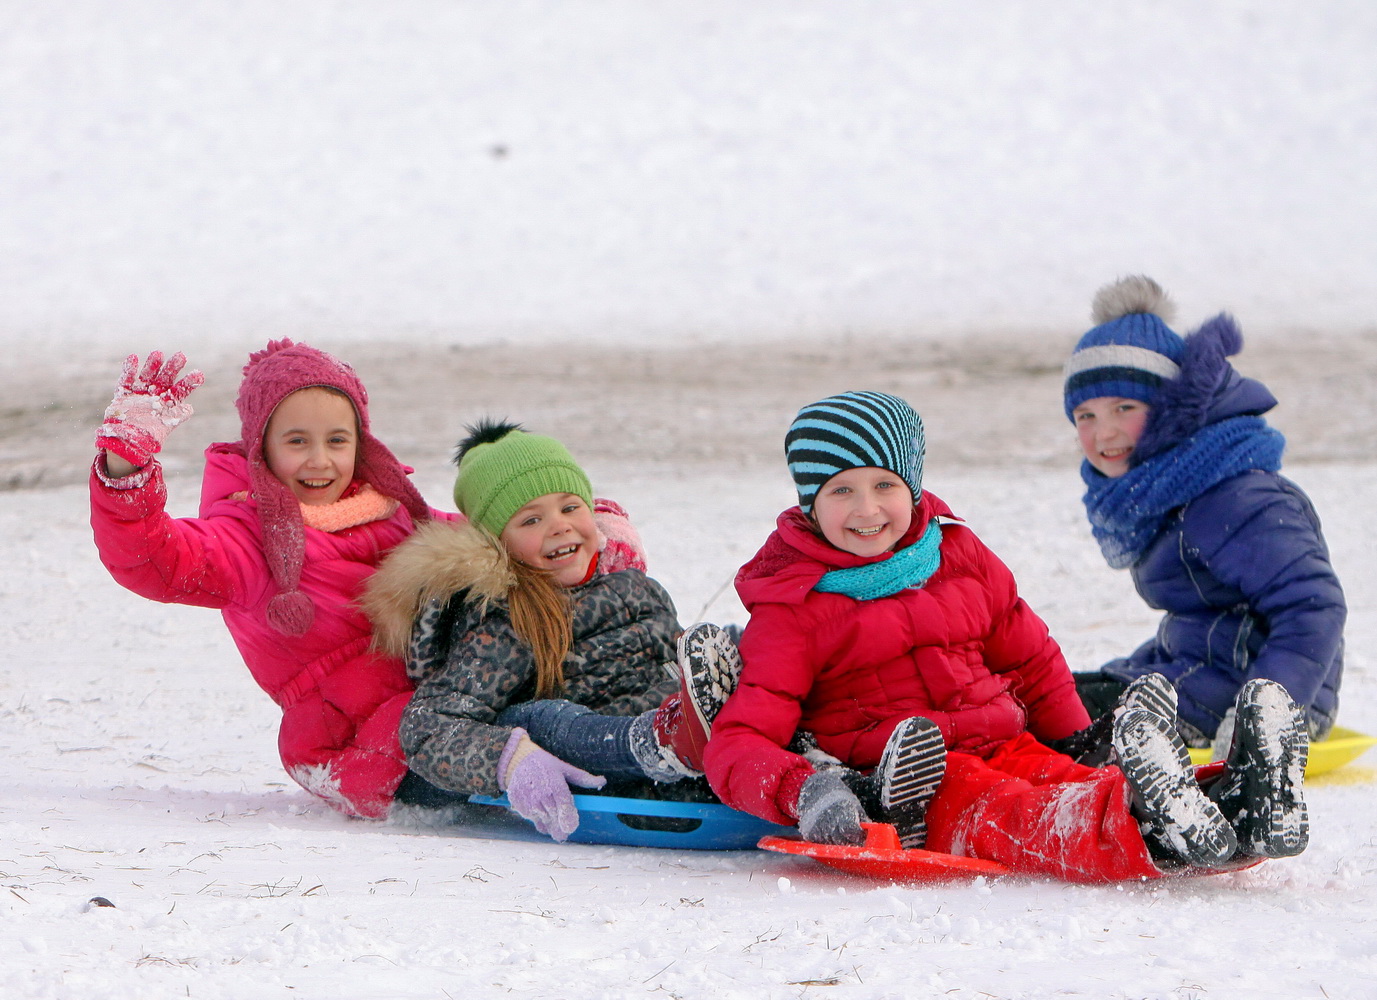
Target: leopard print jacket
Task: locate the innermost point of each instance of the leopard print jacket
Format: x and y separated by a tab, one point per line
468	663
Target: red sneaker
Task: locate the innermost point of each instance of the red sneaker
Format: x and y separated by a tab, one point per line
709	666
679	737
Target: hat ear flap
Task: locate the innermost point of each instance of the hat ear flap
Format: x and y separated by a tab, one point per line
378	466
290	612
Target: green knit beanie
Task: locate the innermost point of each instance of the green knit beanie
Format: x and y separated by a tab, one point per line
498	478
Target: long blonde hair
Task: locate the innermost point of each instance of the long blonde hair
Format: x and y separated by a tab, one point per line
543	620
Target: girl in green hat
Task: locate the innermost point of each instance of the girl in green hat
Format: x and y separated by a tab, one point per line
538	663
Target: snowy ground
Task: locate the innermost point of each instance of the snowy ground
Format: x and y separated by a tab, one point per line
142	765
723	211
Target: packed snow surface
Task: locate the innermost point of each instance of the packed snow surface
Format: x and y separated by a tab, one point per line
142	763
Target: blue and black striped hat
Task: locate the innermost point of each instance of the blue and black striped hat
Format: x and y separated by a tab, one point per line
854	430
1131	351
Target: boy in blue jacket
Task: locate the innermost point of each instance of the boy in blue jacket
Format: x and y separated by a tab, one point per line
1182	488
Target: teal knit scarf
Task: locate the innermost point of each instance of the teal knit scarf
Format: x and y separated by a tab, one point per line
908	567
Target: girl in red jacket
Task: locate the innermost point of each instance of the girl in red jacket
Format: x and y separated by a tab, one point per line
869	609
294	518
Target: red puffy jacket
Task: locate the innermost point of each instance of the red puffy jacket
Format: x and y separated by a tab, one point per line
963	650
341	702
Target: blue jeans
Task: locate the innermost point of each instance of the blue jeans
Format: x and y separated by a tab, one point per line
600	744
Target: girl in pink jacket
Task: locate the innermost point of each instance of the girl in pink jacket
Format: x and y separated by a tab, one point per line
294	518
873	615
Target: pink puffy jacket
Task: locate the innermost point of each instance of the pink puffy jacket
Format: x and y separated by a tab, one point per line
341	702
963	650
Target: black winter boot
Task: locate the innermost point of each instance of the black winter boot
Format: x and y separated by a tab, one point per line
1261	793
1152	692
1175	816
1092	745
910	769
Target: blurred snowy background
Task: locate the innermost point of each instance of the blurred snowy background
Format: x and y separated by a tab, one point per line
654	229
463	171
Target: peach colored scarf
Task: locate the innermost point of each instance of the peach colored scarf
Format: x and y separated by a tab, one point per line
365	505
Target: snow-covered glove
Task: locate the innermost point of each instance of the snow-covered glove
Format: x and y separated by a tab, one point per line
537	785
619	543
147	404
828	811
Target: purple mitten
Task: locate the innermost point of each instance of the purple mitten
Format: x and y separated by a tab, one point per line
146	406
537	785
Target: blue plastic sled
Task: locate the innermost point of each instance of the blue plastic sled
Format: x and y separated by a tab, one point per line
695	826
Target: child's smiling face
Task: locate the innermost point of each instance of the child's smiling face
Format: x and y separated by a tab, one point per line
864	511
311	444
554	532
1109	428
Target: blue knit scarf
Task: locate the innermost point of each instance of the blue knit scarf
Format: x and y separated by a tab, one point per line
1128	512
907	567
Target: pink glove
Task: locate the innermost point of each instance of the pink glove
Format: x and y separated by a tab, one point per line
537	786
146	406
621	542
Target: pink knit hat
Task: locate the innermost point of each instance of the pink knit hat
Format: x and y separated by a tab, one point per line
272	375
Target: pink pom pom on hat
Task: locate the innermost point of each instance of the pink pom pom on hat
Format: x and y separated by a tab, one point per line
270	376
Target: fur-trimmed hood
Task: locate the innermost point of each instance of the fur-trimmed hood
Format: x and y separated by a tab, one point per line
437	561
1207	390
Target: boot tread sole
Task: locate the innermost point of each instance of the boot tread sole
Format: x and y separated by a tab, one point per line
1157	765
910	770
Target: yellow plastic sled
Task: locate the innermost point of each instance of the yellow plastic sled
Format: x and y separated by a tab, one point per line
1334	751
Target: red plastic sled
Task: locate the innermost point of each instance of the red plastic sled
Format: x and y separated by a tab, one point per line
881	857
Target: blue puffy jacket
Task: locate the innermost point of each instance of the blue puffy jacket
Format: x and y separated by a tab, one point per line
1243	574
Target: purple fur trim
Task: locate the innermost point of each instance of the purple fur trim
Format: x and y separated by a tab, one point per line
1182	404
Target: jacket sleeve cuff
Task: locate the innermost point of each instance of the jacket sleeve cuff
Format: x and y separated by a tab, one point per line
518	747
136	479
789	787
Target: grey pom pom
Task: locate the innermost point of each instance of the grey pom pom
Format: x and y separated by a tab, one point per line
1135	294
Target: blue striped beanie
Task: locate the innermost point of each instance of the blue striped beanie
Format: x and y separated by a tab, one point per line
1131	351
854	430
